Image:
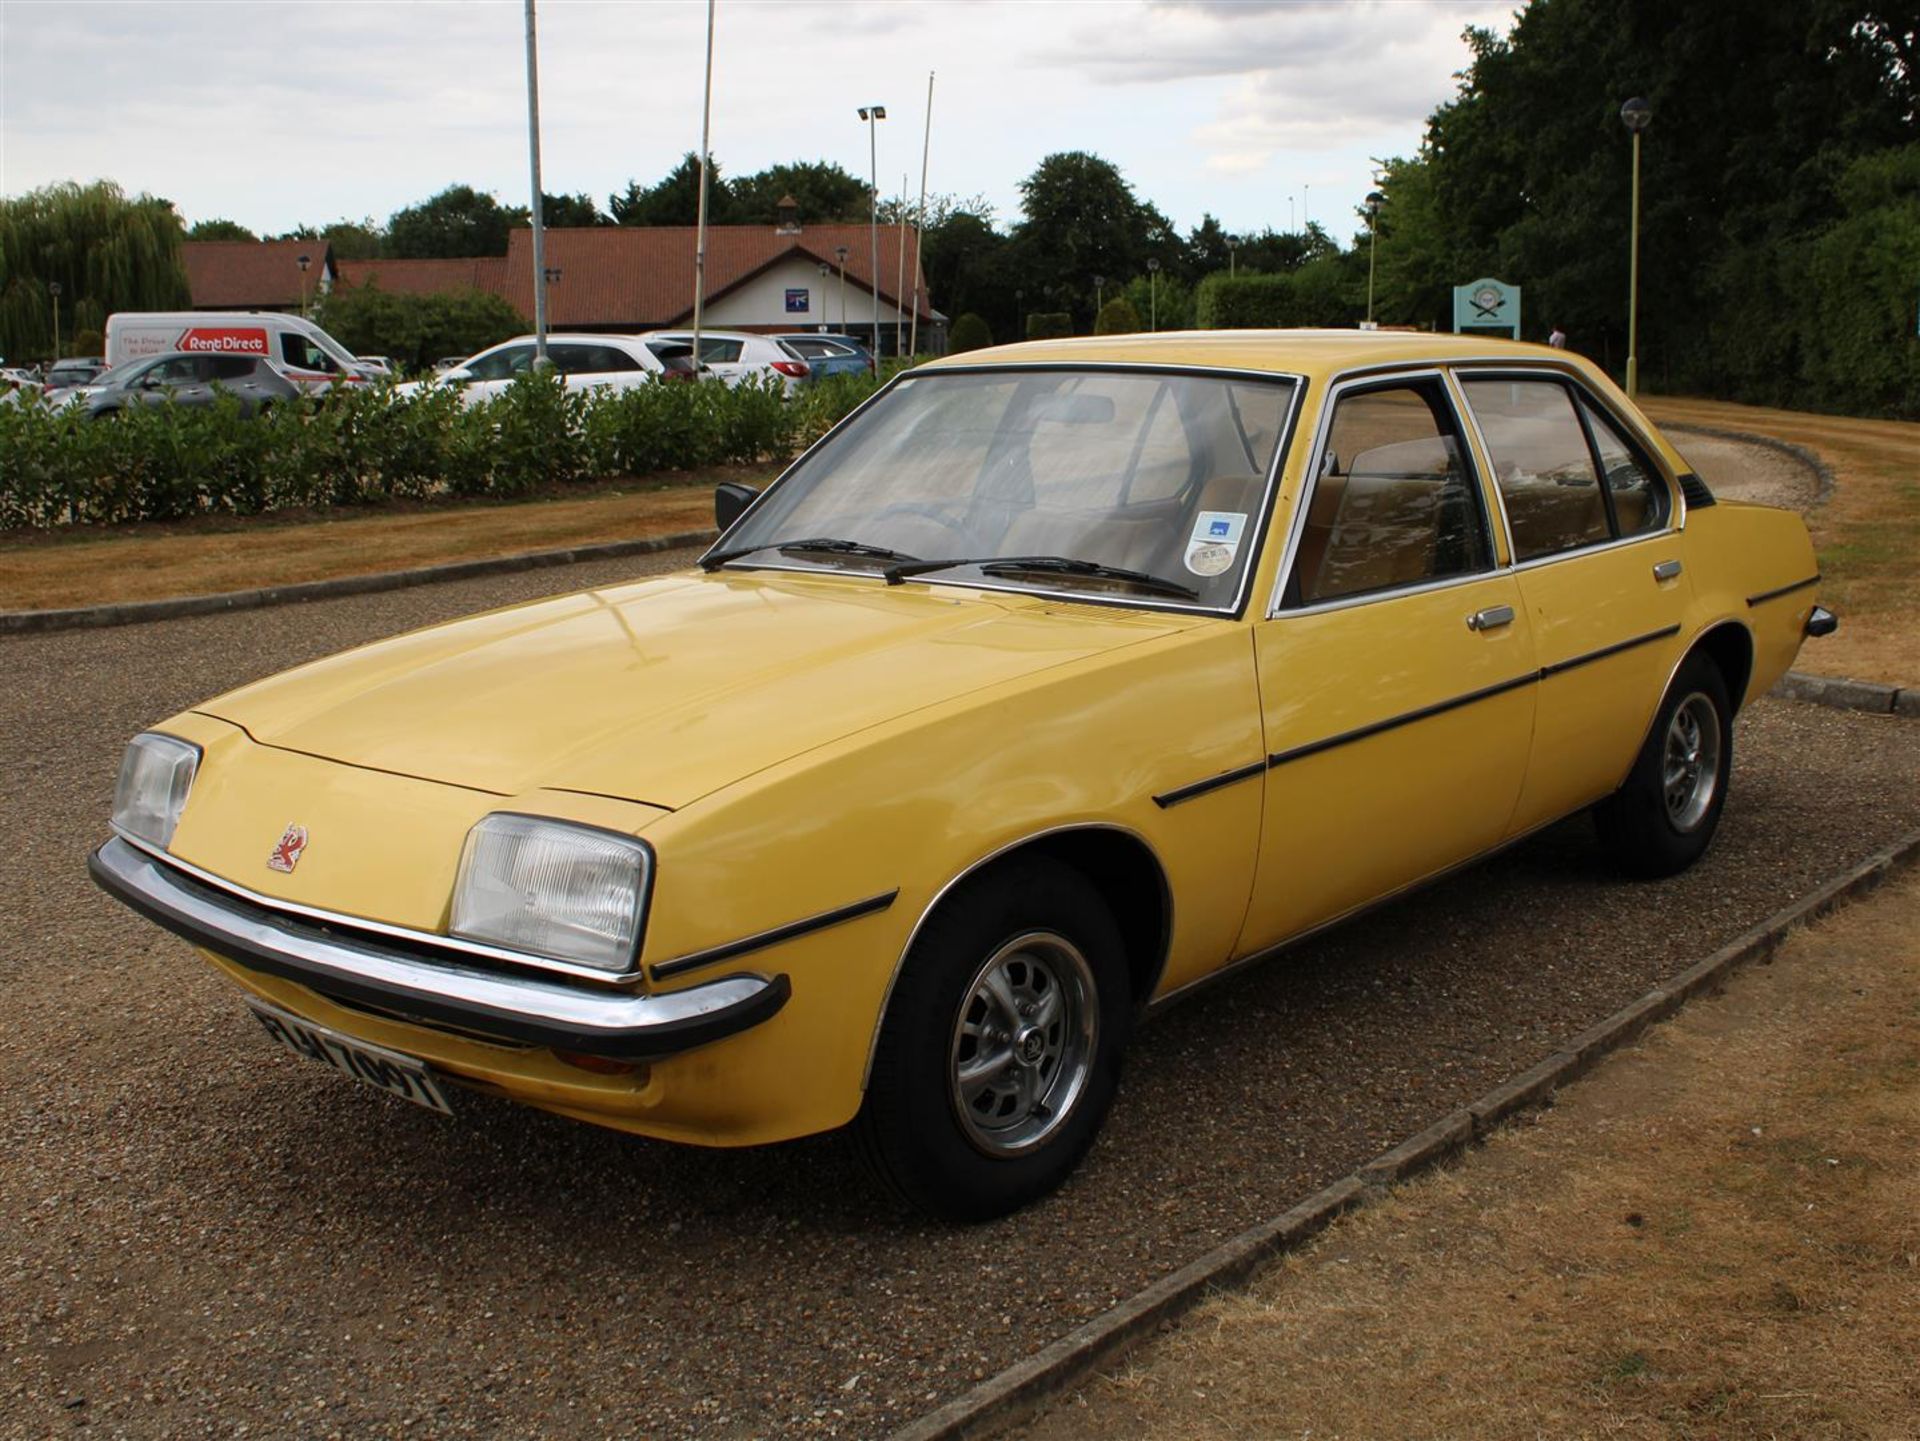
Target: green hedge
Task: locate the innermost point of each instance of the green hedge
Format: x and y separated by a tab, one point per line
362	446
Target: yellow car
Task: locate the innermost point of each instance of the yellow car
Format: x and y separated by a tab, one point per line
1055	681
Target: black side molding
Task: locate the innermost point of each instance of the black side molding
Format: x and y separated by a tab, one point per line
1767	595
793	930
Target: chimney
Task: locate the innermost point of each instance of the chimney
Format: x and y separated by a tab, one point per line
788	211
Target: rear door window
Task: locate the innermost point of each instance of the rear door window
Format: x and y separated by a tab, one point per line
1542	464
1394	502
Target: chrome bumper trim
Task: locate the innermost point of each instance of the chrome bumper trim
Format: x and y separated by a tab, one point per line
621	1024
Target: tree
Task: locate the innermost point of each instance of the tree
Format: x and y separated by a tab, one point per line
106	251
969	332
458	222
960	256
675	198
1081	219
417	329
822	190
350	239
1117	317
571	211
220	230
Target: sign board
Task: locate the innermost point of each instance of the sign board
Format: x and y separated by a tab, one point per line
1487	307
797	301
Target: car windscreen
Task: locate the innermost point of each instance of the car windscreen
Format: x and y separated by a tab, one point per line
1164	474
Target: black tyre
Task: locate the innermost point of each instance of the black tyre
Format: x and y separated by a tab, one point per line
1000	1050
1662	820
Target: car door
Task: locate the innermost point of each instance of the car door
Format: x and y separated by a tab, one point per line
489	374
721	356
1589	518
166	382
1396	665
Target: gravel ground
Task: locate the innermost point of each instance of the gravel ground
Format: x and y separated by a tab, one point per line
199	1235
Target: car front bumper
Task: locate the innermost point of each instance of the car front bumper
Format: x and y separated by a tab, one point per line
435	990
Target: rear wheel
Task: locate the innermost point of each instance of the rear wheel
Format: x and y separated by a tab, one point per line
1662	820
1000	1050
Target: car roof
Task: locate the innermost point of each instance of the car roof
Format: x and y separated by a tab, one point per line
1313	353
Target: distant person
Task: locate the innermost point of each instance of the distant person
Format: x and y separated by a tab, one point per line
1558	340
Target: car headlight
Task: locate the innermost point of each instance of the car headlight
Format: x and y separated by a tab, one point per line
568	892
155	775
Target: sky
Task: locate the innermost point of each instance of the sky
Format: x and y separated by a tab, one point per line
281	112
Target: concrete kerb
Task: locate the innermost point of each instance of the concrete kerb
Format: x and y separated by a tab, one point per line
1822	475
24	622
1020	1390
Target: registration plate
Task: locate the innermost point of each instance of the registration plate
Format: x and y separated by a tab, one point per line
384	1070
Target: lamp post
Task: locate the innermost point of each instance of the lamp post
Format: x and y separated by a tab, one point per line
1153	294
1099	295
840	254
700	218
1020	315
1374	197
1636	115
1233	257
826	274
873	115
535	215
304	262
53	289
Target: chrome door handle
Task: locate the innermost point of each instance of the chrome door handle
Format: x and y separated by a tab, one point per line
1492	618
1666	570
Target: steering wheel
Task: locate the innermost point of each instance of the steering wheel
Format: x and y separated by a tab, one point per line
926	510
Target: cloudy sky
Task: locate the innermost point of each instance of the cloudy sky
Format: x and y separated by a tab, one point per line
275	112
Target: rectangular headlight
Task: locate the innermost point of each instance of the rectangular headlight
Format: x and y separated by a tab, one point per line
568	892
155	775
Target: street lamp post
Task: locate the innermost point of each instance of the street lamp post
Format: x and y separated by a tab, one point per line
1233	257
700	214
840	253
1636	115
53	289
873	115
1153	294
304	261
536	214
1374	197
1099	295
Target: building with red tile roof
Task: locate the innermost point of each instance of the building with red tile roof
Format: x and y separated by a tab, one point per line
257	274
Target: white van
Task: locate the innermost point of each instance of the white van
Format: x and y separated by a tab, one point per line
294	346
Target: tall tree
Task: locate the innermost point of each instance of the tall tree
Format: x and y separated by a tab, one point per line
350	239
674	199
1082	219
219	230
571	211
106	251
822	190
458	222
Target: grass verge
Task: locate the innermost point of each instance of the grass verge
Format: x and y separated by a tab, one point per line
1712	1235
1867	536
153	562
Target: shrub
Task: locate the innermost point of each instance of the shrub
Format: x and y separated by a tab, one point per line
1049	325
1117	317
969	332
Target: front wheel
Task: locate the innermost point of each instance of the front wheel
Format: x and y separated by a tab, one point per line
1662	820
1000	1050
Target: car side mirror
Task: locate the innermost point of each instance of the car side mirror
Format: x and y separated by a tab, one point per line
730	502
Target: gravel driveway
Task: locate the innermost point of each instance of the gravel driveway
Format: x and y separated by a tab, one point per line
199	1235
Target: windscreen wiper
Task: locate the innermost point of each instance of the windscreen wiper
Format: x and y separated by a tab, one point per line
815	545
1047	564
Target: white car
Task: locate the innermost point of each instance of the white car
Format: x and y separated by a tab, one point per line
733	355
585	362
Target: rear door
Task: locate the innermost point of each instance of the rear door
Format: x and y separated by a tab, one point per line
1589	518
1396	666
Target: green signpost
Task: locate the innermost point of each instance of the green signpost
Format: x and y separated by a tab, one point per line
1487	307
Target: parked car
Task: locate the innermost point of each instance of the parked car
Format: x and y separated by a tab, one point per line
381	365
734	355
295	347
183	379
14	377
588	362
1102	666
830	354
72	371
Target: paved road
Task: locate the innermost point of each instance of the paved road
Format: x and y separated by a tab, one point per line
198	1234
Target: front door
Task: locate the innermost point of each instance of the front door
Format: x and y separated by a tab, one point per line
1396	671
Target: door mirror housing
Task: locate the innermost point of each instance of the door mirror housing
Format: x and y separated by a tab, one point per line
730	502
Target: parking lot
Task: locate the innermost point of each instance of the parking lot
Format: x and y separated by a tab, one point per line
199	1234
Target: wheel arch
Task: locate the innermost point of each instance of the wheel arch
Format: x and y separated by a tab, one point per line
1729	645
1116	861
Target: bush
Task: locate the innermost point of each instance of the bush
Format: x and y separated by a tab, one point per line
87	342
361	445
1117	317
969	332
1049	325
1315	294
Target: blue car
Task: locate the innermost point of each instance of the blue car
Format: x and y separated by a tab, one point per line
831	354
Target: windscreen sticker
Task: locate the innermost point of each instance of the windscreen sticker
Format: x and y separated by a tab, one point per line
1215	541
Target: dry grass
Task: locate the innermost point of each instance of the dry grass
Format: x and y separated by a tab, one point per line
1716	1235
1867	535
150	562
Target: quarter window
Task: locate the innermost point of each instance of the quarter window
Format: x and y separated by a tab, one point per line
1393	503
1639	498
